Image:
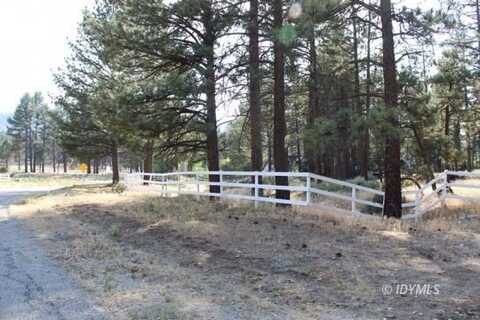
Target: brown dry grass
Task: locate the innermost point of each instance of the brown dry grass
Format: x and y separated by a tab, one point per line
147	257
38	181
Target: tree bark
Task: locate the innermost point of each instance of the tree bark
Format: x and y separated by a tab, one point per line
44	146
30	150
148	159
34	164
366	132
447	128
115	168
27	141
357	152
256	152
280	155
477	11
210	77
65	163
54	158
298	140
312	97
269	150
392	163
96	166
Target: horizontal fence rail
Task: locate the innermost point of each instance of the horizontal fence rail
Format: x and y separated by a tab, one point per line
306	189
5	176
447	187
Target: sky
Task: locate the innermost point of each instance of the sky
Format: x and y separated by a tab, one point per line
33	37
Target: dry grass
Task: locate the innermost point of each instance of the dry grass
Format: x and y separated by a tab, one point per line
146	257
49	181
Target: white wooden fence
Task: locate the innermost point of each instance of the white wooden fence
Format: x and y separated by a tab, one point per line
306	189
4	176
449	185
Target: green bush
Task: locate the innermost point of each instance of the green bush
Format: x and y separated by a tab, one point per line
373	184
119	188
333	187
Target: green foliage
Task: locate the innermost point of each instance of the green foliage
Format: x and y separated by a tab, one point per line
287	35
371	183
144	70
235	147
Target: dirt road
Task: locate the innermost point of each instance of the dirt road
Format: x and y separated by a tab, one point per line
31	286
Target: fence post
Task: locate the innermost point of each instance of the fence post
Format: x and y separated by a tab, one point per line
354	198
197	183
221	183
445	187
163	186
417	201
309	185
256	190
178	183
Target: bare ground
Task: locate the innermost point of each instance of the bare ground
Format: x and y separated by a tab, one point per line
147	257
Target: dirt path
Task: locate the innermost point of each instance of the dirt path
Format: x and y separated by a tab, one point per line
31	286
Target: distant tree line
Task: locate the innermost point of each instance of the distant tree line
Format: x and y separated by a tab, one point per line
32	133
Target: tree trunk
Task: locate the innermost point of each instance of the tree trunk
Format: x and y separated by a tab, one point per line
34	165
44	147
447	129
270	150
54	158
469	154
30	150
65	163
477	11
392	163
27	141
89	167
280	155
298	140
210	77
256	152
312	97
115	168
357	153
148	159
96	166
366	132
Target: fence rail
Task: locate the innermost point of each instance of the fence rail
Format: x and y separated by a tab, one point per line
4	176
254	186
305	189
446	186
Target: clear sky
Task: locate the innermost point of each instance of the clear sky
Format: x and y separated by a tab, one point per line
33	35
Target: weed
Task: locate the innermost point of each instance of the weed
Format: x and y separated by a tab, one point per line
115	231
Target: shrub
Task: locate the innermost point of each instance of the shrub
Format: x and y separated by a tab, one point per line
373	184
119	188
